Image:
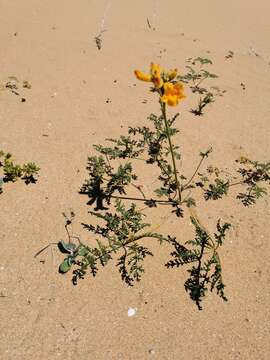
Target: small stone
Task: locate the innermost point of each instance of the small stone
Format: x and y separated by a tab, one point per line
3	294
26	84
131	311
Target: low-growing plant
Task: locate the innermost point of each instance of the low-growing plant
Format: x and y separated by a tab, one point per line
11	172
123	231
195	78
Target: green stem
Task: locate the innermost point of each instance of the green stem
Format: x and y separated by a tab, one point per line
131	240
194	174
163	109
169	202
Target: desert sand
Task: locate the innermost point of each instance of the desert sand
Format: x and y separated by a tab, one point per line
81	95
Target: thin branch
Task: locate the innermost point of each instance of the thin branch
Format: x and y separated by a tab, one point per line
165	202
130	240
138	187
163	109
46	247
237	183
194	174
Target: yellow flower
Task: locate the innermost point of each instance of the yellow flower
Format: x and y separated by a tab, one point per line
172	74
170	93
142	76
173	93
155	69
154	76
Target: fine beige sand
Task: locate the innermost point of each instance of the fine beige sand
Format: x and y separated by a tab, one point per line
79	96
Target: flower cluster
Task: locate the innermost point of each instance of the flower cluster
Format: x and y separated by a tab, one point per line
170	91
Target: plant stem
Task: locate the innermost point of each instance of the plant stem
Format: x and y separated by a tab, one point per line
169	202
163	109
194	174
130	240
142	199
237	183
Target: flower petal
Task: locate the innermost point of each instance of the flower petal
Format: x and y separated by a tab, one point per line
173	93
168	87
155	70
171	100
157	81
142	76
172	74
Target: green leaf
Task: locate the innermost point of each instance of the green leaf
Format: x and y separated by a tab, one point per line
83	251
65	266
66	247
190	202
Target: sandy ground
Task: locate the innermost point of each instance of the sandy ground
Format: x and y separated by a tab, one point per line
51	45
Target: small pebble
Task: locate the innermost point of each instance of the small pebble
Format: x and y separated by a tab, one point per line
131	311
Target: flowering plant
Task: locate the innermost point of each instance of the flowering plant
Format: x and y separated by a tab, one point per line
123	231
170	91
